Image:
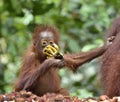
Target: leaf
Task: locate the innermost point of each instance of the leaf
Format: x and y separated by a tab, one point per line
41	8
74	47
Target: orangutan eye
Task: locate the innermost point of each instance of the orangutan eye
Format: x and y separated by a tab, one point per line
44	43
51	42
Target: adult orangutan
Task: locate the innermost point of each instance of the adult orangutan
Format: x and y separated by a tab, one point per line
42	60
110	71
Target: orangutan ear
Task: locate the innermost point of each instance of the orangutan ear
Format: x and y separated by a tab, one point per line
110	40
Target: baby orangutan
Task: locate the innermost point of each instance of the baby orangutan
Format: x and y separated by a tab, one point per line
39	71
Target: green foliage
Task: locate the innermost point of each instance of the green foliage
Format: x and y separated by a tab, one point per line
81	23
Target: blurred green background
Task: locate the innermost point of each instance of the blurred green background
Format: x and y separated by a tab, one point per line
81	23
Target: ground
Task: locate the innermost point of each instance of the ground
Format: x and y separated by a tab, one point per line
24	96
